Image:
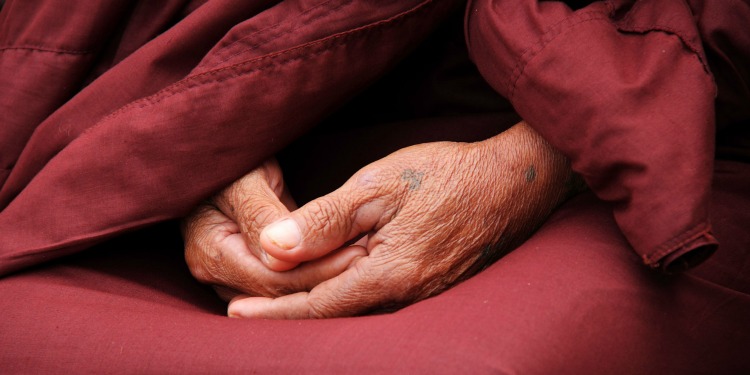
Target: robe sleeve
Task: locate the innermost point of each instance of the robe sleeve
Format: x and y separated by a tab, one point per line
623	89
187	113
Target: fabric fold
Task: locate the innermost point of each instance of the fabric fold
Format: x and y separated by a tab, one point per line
157	156
623	89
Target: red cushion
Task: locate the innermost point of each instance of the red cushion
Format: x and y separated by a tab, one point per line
573	299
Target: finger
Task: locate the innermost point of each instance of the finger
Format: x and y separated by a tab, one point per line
202	231
352	293
217	254
253	202
310	274
292	306
206	219
327	223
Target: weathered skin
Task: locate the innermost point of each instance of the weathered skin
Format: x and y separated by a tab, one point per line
432	214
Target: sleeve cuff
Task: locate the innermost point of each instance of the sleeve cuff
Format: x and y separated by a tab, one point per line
685	252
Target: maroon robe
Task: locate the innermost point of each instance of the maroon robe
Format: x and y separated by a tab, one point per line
609	85
117	115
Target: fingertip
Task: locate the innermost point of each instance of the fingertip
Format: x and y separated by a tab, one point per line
234	310
275	264
241	307
233	313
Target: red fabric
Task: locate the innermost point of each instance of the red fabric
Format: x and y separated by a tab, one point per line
624	89
49	50
184	64
185	114
181	97
574	299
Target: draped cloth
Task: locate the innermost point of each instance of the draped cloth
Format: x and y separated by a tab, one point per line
116	116
625	90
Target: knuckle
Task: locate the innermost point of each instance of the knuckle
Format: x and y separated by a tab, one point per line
197	266
234	195
204	257
320	212
252	209
195	221
193	252
325	216
374	181
369	177
227	198
254	214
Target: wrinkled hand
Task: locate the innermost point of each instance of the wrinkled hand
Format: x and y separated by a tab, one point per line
222	241
433	214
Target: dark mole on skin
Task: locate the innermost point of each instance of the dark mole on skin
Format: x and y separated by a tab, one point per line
530	174
414	178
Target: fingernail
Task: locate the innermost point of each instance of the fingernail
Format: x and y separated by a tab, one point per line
284	234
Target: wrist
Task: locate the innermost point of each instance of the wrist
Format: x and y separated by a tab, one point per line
545	170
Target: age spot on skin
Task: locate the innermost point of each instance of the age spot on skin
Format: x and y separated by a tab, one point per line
413	177
530	174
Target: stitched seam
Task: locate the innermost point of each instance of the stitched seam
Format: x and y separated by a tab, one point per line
628	25
283	33
548	37
196	80
280	34
275	25
190	81
671	31
328	43
44	49
676	242
552	33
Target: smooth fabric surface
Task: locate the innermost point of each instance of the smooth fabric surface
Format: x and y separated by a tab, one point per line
572	300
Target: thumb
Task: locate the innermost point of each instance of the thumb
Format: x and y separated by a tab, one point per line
252	202
327	223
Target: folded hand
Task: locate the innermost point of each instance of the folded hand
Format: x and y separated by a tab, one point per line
222	246
433	214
